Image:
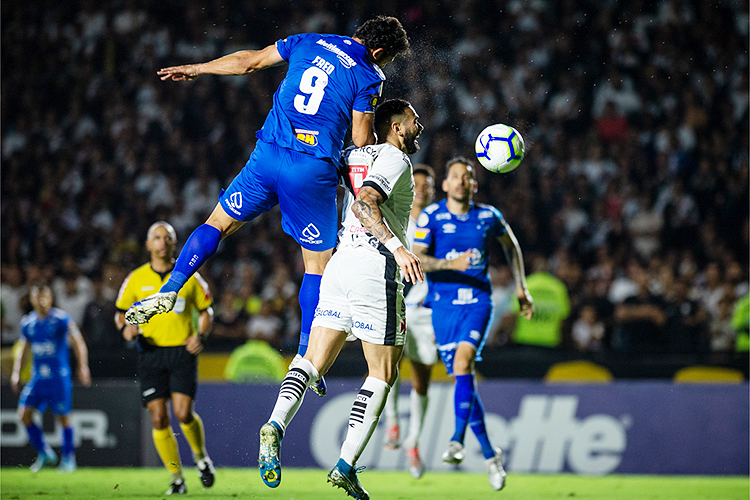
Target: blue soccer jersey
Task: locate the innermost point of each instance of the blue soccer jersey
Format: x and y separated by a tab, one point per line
449	235
328	77
48	337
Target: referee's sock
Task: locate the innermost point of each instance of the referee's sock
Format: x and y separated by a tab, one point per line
199	247
292	392
364	418
196	437
166	446
309	293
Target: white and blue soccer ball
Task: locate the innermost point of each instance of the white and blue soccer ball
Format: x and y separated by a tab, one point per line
499	148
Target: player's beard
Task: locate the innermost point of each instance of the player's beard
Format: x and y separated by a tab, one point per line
411	144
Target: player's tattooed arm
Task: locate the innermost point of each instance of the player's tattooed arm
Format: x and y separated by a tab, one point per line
367	209
431	264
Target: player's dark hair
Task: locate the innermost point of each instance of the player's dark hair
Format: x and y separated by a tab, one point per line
385	114
383	32
421	168
464	161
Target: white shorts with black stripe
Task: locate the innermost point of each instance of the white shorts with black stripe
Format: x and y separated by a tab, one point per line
361	294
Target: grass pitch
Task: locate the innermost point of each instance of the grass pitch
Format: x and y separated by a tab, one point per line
310	484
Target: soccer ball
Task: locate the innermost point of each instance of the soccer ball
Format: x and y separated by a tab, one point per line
499	148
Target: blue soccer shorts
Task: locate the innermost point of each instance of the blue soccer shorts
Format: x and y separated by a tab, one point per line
302	185
456	324
55	393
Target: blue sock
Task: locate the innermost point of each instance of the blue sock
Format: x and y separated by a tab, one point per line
462	402
476	422
67	445
309	292
199	247
36	438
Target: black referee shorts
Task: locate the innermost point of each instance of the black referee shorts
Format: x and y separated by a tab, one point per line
164	370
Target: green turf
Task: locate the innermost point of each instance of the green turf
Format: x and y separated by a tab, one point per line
310	484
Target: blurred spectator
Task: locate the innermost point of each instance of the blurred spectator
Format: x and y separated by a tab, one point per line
588	330
265	325
12	292
97	326
721	331
685	320
639	319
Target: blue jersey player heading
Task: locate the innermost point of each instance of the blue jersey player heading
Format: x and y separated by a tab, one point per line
46	333
332	82
451	241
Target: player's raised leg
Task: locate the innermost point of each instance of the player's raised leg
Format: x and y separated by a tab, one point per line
382	364
199	247
325	344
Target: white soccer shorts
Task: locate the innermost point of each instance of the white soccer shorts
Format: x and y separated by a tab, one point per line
420	337
361	293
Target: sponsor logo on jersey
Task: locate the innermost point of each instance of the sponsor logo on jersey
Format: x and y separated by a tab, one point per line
147	288
486	214
382	180
310	234
443	217
360	325
344	58
449	228
307	138
357	174
465	296
322	313
43	349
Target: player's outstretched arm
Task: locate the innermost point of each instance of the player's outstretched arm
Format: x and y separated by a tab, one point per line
431	264
242	62
81	353
367	209
515	259
19	360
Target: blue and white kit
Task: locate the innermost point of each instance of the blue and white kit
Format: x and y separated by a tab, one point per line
295	159
51	382
460	301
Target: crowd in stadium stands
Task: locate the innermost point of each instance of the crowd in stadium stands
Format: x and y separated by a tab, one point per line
633	194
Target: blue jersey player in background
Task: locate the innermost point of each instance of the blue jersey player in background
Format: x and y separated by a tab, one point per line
332	82
453	230
46	332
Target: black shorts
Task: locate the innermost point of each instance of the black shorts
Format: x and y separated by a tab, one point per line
164	370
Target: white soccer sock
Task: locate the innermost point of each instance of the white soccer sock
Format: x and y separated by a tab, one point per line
391	403
292	392
418	405
364	418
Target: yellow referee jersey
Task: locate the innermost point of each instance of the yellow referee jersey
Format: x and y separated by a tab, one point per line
174	327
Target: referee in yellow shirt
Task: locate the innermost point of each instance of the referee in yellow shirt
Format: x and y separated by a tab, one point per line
167	359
